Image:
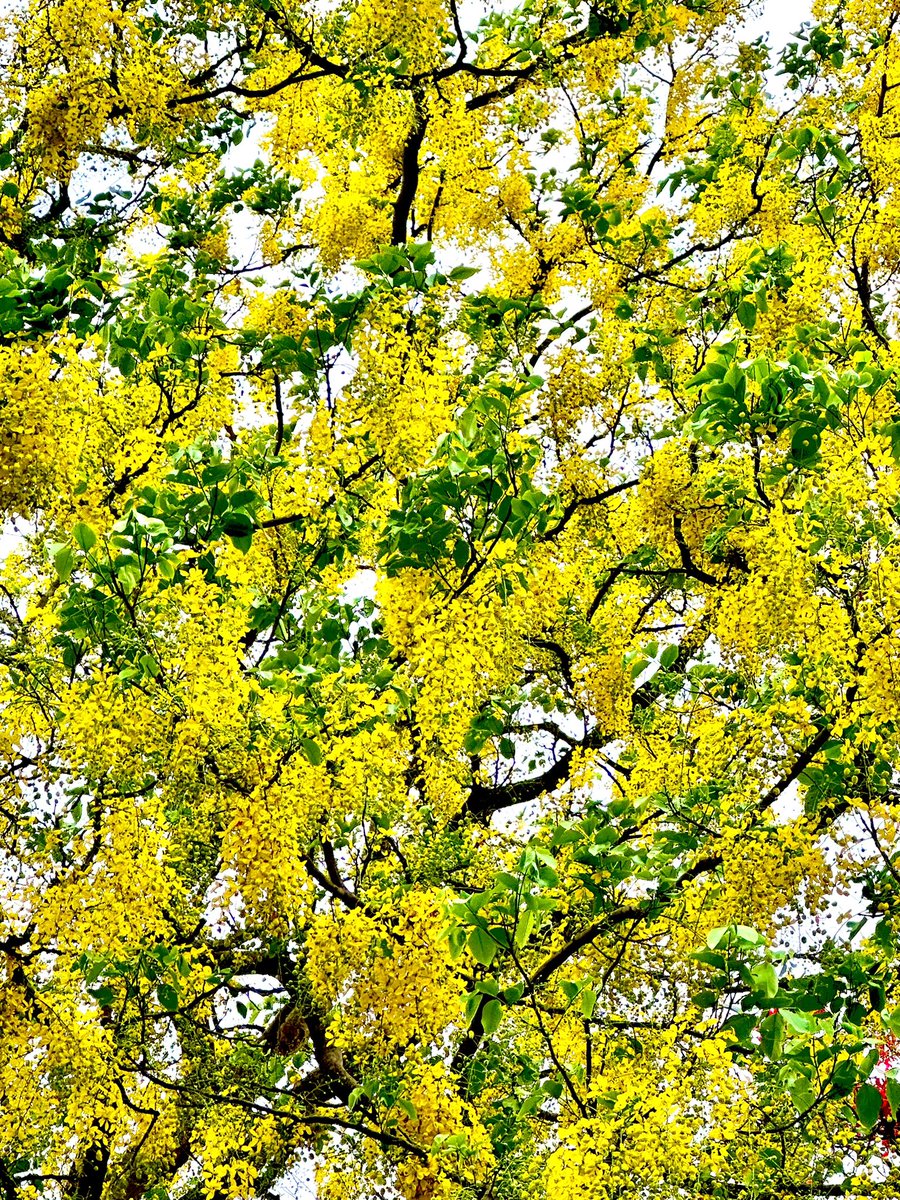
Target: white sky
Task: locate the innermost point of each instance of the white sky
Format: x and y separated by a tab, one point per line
779	19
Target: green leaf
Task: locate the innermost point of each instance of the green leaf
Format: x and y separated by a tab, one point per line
92	970
168	997
868	1064
84	536
181	349
312	751
803	1094
491	1016
488	987
166	566
892	431
456	938
244	498
868	1105
746	313
892	1087
63	562
482	946
772	1031
705	999
668	657
473	999
461	553
798	1022
129	576
712	371
748	935
524	928
765	980
158	302
805	443
237	525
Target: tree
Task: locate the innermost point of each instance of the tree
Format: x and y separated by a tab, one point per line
448	647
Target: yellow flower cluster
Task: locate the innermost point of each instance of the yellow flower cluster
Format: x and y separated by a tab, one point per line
653	1127
400	978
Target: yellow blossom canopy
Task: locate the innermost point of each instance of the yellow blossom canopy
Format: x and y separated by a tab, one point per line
449	660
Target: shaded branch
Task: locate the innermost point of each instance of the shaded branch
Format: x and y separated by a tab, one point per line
409	178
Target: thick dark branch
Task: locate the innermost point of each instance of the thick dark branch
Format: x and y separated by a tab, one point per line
483	800
324	1121
519	76
703	866
619	916
409	179
864	291
559	652
603	591
296	518
235	89
690	568
333	887
86	1182
548	341
460	39
7	1183
801	762
305	47
582	502
279	417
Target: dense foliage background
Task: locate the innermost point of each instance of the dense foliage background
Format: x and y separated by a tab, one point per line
448	651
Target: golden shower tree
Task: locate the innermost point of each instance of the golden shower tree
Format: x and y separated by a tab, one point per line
448	631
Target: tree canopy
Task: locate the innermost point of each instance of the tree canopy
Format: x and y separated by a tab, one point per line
448	653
